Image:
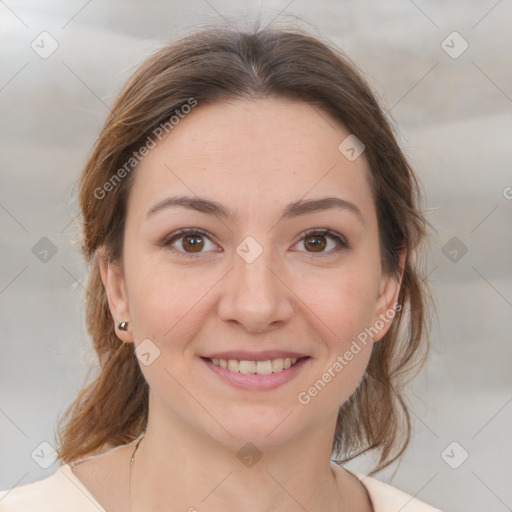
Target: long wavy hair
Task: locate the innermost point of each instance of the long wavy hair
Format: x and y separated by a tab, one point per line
210	65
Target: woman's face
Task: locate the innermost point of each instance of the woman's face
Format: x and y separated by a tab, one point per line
254	279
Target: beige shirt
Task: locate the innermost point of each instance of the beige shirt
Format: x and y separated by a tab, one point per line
63	491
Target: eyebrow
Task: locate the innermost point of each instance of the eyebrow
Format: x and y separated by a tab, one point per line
294	209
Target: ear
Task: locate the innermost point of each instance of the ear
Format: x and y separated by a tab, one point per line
387	300
117	295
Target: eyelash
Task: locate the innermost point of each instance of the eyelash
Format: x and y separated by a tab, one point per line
342	243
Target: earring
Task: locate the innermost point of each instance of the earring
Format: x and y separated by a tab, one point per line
123	326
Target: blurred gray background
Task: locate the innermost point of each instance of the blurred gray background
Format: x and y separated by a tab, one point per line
442	69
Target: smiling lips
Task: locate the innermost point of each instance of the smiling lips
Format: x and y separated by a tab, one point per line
259	367
263	370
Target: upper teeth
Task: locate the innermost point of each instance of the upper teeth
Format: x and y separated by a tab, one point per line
260	367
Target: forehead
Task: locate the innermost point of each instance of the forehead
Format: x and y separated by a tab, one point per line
253	154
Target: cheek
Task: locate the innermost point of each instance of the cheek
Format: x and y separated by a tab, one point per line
163	300
345	301
345	308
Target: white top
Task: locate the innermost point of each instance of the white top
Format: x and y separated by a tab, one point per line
64	492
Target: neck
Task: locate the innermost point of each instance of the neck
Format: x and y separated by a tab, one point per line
174	467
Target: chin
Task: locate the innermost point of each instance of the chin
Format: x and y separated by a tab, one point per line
263	426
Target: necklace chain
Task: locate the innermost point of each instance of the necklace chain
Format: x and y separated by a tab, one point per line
131	462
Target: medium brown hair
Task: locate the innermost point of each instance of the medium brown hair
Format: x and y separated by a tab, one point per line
211	65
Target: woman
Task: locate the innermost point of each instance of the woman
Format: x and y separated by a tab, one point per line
253	233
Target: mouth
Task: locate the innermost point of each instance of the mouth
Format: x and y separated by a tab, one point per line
256	367
256	373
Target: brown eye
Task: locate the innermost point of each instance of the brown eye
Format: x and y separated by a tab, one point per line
323	242
189	242
193	242
315	243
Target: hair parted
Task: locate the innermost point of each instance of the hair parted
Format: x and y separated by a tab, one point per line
211	65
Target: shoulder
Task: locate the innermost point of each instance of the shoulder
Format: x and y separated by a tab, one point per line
58	492
386	498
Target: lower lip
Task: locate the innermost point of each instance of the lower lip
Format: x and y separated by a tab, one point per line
254	381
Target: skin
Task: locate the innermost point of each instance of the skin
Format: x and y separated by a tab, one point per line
253	157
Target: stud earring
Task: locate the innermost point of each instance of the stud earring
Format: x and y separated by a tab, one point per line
123	326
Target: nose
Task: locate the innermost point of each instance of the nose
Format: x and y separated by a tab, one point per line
255	295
